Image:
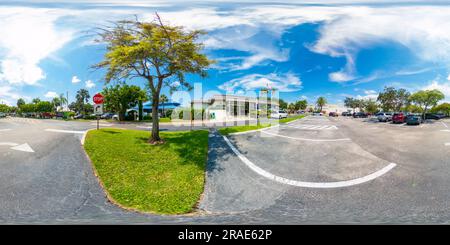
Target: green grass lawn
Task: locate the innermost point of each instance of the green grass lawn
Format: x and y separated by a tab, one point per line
236	129
166	179
289	119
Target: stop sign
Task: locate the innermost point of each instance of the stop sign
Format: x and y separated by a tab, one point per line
98	99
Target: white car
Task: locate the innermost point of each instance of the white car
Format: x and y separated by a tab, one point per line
279	114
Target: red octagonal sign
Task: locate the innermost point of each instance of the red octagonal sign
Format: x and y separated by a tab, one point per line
98	99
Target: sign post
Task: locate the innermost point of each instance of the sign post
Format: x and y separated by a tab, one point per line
98	107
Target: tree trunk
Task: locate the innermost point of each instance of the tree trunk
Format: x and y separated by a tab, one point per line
154	138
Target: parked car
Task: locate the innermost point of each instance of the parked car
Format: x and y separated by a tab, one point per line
279	114
59	115
399	117
360	115
346	114
441	115
317	114
432	116
2	114
78	116
384	116
115	117
108	115
333	114
47	115
414	119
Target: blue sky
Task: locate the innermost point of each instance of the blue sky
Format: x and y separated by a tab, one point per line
304	49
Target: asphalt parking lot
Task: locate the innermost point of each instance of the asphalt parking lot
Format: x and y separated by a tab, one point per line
313	170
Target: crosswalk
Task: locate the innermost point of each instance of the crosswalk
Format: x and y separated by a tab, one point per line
313	127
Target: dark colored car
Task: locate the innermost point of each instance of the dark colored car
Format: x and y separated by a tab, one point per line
346	114
47	115
413	119
333	114
360	115
432	116
399	117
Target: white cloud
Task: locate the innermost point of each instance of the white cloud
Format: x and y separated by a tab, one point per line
370	91
89	84
51	95
9	95
28	36
282	82
75	79
448	78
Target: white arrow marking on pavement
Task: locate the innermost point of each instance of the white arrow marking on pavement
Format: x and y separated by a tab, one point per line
23	147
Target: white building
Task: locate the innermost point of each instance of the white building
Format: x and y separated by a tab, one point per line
232	107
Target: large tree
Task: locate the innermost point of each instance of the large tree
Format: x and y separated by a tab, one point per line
370	106
20	102
321	102
301	105
442	108
392	99
155	52
81	100
426	99
122	97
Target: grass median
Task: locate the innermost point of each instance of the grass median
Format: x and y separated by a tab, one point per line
165	179
243	128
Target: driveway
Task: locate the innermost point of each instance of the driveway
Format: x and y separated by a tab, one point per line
378	173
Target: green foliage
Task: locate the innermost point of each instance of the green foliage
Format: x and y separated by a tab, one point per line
392	99
20	102
155	52
44	106
301	105
321	101
122	97
426	98
167	179
4	108
370	106
283	104
442	108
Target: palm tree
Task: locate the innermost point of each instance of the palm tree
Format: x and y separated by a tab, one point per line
321	101
62	99
163	99
36	100
56	102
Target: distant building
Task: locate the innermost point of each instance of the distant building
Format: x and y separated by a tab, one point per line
329	108
225	107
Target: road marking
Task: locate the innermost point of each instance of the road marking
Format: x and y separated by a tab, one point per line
149	127
445	130
447	144
252	131
282	180
313	127
23	147
102	124
4	130
304	139
443	123
65	131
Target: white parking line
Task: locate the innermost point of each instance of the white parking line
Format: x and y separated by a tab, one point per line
445	130
4	130
443	123
304	139
252	131
447	144
65	131
312	127
282	180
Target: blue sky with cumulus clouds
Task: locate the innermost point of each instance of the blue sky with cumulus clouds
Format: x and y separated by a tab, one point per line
305	49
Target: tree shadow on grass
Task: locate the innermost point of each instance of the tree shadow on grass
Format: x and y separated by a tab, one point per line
109	131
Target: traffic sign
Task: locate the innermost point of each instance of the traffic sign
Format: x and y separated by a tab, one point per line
98	99
98	109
